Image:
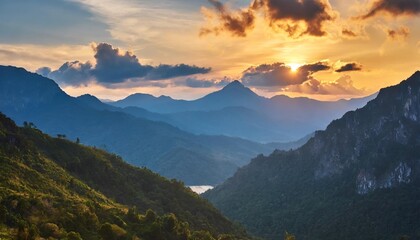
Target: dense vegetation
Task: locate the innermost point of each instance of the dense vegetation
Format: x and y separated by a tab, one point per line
57	189
358	179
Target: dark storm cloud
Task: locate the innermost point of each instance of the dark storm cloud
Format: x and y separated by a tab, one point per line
116	67
279	74
394	7
287	15
350	67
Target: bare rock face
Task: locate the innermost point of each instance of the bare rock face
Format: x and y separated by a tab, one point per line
365	139
368	182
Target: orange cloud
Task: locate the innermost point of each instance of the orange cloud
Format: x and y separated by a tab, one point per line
341	86
393	7
398	34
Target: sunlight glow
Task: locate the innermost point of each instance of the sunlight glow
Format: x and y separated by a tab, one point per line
294	66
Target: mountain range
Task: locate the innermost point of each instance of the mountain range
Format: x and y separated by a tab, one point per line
29	97
52	188
237	111
145	138
358	179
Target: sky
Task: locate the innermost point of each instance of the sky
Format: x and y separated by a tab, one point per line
321	49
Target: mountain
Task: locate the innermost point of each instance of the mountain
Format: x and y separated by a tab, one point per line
230	121
234	94
32	98
358	179
237	111
56	189
147	101
94	103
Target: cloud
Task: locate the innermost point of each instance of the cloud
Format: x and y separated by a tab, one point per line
279	74
44	71
342	86
202	83
348	33
394	7
116	67
113	66
236	23
398	34
349	67
72	73
295	17
164	71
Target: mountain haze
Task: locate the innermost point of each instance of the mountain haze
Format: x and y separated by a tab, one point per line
237	111
30	97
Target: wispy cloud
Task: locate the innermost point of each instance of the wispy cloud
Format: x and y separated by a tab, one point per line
399	34
342	86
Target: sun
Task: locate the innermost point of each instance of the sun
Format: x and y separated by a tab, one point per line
294	66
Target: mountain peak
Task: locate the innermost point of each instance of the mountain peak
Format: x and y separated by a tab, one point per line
415	76
234	84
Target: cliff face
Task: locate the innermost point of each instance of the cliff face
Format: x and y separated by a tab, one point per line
387	128
363	171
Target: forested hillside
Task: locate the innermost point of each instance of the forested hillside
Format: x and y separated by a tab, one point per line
51	187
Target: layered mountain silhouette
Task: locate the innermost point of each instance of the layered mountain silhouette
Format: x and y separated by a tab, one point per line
32	98
237	111
358	179
52	188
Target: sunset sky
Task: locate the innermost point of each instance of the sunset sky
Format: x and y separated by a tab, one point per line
187	48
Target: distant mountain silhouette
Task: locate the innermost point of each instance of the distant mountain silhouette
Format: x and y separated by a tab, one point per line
359	179
237	111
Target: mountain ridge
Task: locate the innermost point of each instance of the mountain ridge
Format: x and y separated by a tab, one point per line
32	98
276	119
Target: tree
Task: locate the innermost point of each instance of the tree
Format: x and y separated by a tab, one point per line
74	236
288	236
62	136
112	232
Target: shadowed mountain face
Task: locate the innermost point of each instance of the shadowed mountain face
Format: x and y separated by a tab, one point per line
358	179
29	97
237	111
51	187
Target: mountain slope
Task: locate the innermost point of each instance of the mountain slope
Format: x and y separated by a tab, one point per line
29	97
50	187
358	179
